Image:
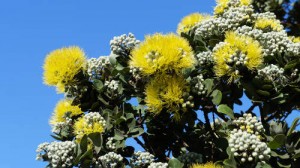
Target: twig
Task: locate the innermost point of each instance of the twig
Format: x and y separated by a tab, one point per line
252	107
140	143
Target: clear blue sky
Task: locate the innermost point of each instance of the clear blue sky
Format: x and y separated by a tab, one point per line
29	29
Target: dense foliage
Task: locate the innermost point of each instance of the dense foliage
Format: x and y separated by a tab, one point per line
176	95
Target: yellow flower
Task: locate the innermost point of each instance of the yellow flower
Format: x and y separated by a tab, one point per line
161	54
222	5
246	2
92	122
236	52
296	40
188	22
206	165
62	65
264	23
63	109
165	91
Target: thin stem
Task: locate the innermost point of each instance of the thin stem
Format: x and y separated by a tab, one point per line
207	123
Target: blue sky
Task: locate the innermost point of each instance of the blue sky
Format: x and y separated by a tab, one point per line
29	29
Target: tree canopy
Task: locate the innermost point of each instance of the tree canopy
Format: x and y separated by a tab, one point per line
187	87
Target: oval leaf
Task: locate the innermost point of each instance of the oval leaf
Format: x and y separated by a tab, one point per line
223	108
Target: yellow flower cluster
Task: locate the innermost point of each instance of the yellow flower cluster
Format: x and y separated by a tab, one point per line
63	109
222	5
162	54
188	22
238	45
166	91
264	23
206	165
89	124
62	65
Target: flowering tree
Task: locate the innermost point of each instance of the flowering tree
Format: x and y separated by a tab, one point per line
203	70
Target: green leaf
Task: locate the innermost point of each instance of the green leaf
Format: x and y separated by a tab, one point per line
262	165
217	97
175	163
223	108
121	77
230	162
277	142
283	165
131	123
293	126
291	64
112	59
83	143
209	83
129	115
118	135
87	154
296	156
119	67
102	100
97	141
120	120
98	85
137	132
57	137
263	93
267	87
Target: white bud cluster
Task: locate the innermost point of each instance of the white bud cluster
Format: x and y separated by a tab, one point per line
204	58
60	154
249	31
41	149
110	160
293	49
295	73
187	100
235	17
95	66
110	145
208	28
151	56
230	20
59	126
266	15
158	165
274	42
135	71
238	59
112	85
123	44
141	158
248	147
249	123
94	117
234	3
199	87
273	73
